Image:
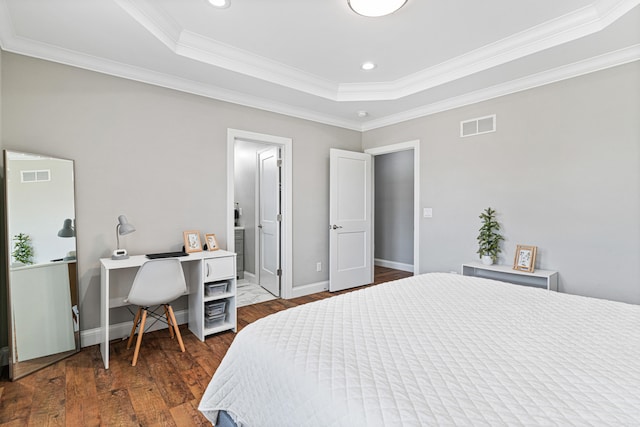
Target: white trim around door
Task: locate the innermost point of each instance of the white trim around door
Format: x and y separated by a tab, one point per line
402	146
233	135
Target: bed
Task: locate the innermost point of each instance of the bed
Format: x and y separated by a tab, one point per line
435	349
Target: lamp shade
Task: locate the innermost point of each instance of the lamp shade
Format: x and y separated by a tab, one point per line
124	227
67	229
375	8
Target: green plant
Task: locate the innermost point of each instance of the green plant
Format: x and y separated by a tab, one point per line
489	238
22	249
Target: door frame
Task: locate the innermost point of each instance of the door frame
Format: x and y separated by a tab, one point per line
286	237
393	148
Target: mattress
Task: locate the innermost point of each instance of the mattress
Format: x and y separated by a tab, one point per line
435	349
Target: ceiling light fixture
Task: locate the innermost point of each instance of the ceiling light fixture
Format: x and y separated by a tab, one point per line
362	114
368	66
220	4
375	8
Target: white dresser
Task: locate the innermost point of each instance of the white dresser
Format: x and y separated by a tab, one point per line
216	289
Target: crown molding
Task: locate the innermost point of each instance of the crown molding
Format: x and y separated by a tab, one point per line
569	27
62	56
203	49
199	48
552	33
598	63
55	54
154	20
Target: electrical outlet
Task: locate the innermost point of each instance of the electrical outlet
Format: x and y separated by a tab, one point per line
319	266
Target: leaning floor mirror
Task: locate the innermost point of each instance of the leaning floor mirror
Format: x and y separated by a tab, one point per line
42	290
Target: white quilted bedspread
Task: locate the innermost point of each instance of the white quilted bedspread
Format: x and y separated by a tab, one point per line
436	349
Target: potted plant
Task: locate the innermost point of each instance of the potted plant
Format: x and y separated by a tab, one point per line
22	249
489	238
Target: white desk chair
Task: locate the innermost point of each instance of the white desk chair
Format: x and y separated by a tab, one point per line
158	282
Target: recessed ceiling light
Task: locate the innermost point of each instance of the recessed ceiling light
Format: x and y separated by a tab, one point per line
220	4
362	114
367	66
375	8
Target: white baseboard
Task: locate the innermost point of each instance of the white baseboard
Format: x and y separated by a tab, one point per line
93	336
394	265
250	277
4	356
311	288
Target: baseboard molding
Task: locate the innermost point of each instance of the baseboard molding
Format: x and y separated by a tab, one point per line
394	265
311	288
93	336
249	277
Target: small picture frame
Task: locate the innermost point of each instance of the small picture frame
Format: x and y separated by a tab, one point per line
525	259
212	242
192	241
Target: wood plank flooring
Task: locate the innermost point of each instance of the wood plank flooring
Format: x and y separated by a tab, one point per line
164	389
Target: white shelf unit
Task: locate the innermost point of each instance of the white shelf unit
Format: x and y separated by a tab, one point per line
546	279
217	268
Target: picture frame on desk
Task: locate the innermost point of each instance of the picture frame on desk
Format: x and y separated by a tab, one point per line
525	259
211	242
192	241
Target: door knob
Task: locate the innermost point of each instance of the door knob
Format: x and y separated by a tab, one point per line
260	226
335	227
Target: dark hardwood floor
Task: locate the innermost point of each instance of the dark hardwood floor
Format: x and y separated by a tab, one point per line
164	389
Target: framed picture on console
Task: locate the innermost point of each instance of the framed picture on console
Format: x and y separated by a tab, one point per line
212	242
192	241
525	259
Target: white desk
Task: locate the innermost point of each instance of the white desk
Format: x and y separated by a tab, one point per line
199	267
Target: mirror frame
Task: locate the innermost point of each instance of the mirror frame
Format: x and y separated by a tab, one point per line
20	369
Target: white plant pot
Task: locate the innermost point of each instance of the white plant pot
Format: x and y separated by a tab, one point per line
486	260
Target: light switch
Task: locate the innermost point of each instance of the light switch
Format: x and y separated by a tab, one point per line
427	212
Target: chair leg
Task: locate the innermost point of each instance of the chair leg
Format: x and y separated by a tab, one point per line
166	313
135	325
175	326
140	334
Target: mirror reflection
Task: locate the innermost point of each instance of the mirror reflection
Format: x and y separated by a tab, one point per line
42	280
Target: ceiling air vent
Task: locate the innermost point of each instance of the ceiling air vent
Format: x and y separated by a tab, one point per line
478	126
36	176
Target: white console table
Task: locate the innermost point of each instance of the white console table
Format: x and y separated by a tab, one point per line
539	278
116	278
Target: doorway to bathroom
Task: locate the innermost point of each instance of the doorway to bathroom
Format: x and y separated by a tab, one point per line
260	201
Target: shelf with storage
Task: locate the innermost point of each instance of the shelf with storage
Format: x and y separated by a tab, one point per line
546	279
212	306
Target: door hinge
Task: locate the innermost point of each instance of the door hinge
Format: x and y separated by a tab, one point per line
279	163
279	272
279	217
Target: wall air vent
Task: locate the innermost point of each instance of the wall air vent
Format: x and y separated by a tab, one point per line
35	176
478	126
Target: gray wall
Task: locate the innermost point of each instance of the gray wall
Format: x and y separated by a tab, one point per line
562	171
158	156
394	207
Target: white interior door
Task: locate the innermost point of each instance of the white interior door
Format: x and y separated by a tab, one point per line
351	225
269	219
